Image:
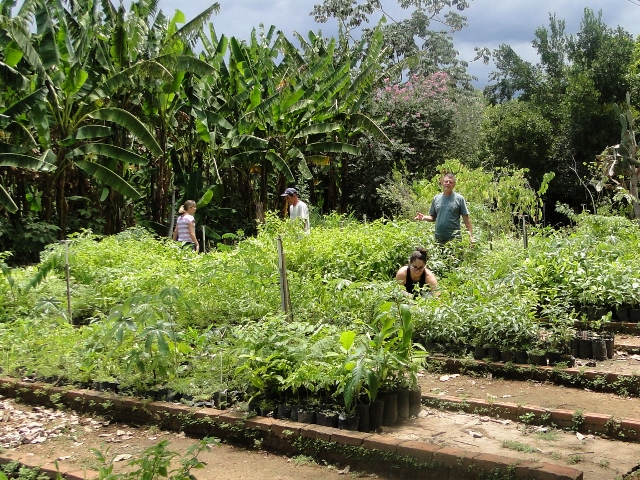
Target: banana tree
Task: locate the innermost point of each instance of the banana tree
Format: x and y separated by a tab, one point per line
365	62
72	124
283	115
163	101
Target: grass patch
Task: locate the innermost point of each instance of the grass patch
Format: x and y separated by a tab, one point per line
550	436
300	460
603	463
518	446
574	458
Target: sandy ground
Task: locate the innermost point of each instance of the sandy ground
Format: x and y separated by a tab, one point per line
70	438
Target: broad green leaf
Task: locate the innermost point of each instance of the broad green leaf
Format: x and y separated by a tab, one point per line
318	128
109	177
24	43
86	132
246	141
12	55
216	119
48	48
304	170
110	151
301	105
347	338
256	96
193	65
149	68
280	164
25	161
7	201
26	103
370	126
191	30
335	147
74	81
131	123
205	199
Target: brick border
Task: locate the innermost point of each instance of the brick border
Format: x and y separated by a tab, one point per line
627	429
570	377
420	460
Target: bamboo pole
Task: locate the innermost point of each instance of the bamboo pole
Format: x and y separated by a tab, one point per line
285	299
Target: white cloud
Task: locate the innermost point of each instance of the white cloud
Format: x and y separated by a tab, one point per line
491	22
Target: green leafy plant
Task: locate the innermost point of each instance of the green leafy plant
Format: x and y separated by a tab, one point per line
156	462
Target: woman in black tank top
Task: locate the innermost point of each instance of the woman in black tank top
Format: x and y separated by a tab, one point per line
416	275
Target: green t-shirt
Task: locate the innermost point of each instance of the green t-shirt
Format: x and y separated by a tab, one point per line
447	211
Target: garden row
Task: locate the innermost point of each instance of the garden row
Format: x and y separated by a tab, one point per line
355	336
273	365
363	451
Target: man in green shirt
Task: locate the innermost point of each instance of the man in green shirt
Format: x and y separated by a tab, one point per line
446	209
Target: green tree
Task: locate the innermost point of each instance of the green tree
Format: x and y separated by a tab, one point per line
412	42
570	90
516	133
72	124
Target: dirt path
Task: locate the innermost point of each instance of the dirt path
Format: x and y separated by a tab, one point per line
541	394
70	438
598	458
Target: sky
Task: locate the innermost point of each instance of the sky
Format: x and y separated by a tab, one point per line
491	22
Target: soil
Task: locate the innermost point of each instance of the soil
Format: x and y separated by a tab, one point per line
70	438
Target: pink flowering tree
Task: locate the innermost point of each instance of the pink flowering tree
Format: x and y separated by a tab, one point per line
428	120
425	117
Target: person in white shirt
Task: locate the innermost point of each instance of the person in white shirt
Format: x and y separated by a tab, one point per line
297	208
185	230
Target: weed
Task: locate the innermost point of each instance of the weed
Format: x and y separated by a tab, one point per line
574	458
577	420
527	418
300	460
518	446
603	463
550	436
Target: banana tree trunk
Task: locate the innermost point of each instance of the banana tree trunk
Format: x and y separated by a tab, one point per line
344	180
61	204
633	189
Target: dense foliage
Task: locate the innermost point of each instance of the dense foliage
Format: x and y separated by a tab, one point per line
154	314
109	116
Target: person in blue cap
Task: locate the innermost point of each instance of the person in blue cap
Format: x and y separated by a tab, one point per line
297	208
